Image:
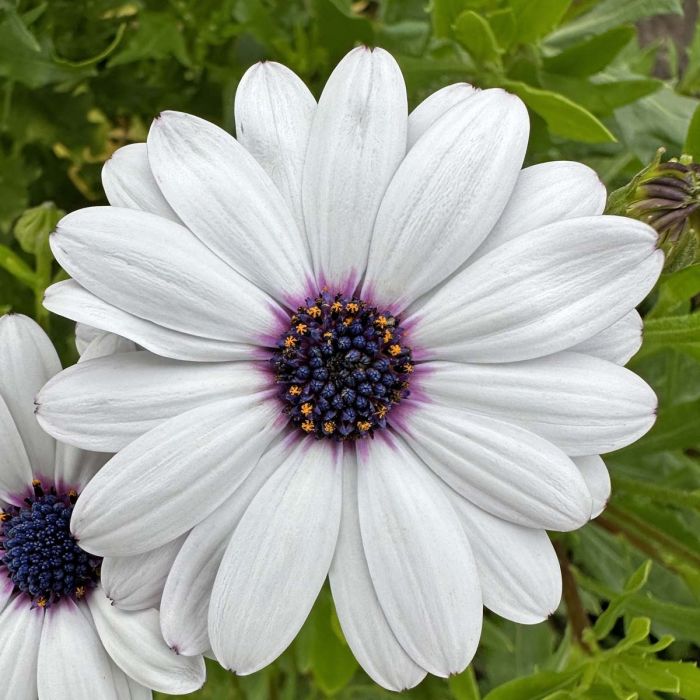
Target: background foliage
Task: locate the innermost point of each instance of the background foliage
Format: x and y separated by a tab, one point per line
78	79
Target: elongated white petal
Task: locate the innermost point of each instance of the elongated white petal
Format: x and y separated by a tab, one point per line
580	403
86	407
143	497
105	344
274	111
544	194
75	467
128	182
419	558
69	299
357	140
15	470
136	582
7	588
446	195
137	691
134	642
228	201
185	603
433	107
72	661
536	295
364	625
597	479
518	568
27	361
277	560
617	343
156	269
20	632
502	468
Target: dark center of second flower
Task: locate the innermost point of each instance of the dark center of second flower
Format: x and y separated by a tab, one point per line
342	367
42	558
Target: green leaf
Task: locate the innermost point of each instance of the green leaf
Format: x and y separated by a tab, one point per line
444	14
676	427
611	13
504	27
463	686
34	226
19	269
536	19
692	139
563	117
158	35
639	578
637	631
475	34
590	56
534	687
675	331
650	675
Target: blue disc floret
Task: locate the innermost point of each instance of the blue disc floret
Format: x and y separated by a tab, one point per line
38	551
341	366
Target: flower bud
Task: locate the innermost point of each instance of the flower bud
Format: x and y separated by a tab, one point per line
666	195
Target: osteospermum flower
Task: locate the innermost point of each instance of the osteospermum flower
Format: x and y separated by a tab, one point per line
60	638
377	350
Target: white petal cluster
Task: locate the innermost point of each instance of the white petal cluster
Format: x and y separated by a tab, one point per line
519	299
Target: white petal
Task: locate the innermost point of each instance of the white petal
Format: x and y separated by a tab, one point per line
106	403
20	632
69	299
534	296
433	107
84	334
157	270
185	603
274	111
75	467
277	559
617	343
518	567
171	478
228	201
597	479
128	182
15	470
364	625
73	664
27	361
138	691
419	558
502	468
134	642
446	196
7	588
580	403
544	194
136	582
357	140
106	344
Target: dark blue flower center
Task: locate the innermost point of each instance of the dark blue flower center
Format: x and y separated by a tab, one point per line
42	558
342	367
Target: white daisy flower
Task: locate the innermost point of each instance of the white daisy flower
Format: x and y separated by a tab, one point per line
60	637
341	272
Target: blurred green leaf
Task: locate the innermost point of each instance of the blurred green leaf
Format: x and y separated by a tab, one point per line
564	117
34	226
590	56
692	138
611	13
474	33
536	19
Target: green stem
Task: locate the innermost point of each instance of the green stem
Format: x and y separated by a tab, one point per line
43	280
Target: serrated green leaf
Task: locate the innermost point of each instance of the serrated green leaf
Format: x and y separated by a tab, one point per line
590	56
563	117
474	33
536	687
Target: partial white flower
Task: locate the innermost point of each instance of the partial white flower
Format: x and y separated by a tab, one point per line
60	637
319	283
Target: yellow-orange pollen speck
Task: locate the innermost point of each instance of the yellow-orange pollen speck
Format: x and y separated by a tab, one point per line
308	426
395	350
314	311
328	427
364	425
306	408
290	341
302	328
294	390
